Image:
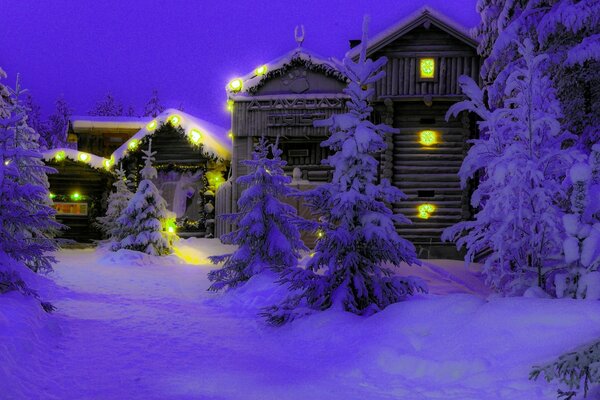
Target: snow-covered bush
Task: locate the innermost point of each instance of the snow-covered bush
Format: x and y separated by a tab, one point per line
117	202
267	232
143	221
522	159
27	224
357	239
573	369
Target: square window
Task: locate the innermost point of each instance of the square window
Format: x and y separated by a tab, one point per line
427	68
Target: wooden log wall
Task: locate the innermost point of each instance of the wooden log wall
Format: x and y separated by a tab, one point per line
429	174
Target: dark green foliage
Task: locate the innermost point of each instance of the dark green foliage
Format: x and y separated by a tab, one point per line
572	369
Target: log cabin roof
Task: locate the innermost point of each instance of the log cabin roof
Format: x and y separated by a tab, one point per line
89	124
253	80
425	15
214	139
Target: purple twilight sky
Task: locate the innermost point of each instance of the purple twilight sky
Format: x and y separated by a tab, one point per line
188	50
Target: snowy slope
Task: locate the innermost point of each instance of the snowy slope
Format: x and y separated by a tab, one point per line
137	327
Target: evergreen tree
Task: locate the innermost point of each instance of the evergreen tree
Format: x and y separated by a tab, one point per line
27	218
117	202
266	234
130	112
108	107
58	124
523	162
34	120
358	238
154	106
143	221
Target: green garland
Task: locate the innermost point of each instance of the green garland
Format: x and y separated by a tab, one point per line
295	62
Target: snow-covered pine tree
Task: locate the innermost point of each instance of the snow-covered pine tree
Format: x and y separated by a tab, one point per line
33	227
143	220
521	159
34	120
267	232
117	202
58	124
357	237
108	107
154	106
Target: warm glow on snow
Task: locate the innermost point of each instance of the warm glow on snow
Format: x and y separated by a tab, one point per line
195	136
174	119
236	85
133	144
261	70
427	68
152	125
425	210
84	157
60	155
428	138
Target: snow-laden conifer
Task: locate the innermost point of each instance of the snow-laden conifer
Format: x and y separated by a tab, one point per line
28	224
153	106
117	202
143	221
357	241
522	159
267	232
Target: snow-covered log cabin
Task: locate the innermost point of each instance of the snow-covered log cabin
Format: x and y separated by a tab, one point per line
192	161
426	52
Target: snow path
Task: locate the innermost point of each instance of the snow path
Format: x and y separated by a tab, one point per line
153	332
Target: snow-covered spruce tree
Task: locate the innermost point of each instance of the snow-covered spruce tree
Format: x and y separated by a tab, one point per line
58	124
267	232
34	120
573	369
108	107
521	159
143	220
565	30
117	202
581	278
30	226
357	238
153	107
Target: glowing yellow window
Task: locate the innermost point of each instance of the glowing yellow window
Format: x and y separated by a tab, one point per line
427	68
428	138
425	210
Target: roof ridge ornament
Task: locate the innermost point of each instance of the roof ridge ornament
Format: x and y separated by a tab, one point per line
299	34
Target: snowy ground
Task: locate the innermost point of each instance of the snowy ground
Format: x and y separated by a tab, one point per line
129	327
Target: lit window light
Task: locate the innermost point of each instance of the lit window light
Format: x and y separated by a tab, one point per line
428	138
425	210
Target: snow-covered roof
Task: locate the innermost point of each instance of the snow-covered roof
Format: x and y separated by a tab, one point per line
93	122
252	81
412	21
61	153
214	139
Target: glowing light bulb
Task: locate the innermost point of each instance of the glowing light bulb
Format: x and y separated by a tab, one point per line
133	144
84	157
75	196
175	119
229	105
320	234
107	164
427	138
60	155
261	70
7	162
230	134
151	125
236	85
51	195
195	136
425	210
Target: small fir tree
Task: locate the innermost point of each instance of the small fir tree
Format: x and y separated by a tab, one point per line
144	219
357	236
154	106
267	233
30	225
117	202
58	125
522	161
108	107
